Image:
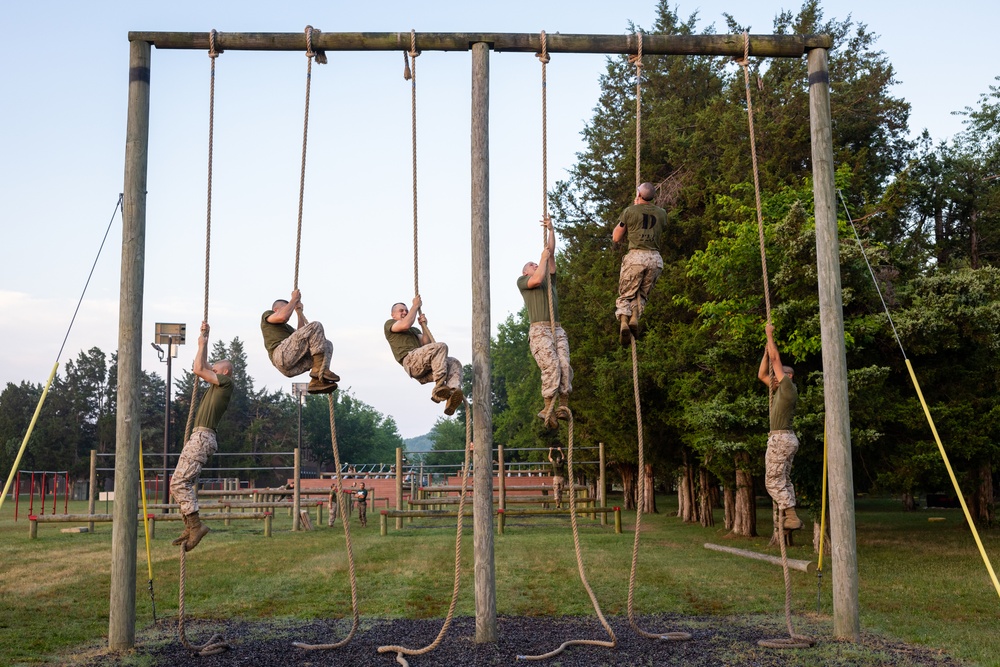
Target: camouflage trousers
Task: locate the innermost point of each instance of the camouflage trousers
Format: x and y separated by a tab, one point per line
294	355
781	448
640	270
363	512
558	485
334	511
184	484
552	356
431	363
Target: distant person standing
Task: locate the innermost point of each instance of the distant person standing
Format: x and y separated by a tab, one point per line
334	508
558	463
361	498
642	223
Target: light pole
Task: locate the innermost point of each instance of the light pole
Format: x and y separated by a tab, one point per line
171	335
300	393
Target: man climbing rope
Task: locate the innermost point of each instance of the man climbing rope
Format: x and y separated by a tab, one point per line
422	358
202	444
294	351
550	349
781	441
558	472
361	497
643	223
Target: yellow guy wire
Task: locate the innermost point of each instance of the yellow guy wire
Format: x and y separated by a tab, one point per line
927	412
27	436
145	514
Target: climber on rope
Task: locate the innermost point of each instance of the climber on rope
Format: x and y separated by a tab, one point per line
294	351
781	441
550	348
643	223
203	443
558	462
424	359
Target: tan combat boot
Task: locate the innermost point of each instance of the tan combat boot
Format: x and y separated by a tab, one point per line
624	333
197	530
183	536
454	401
562	412
548	412
633	322
792	522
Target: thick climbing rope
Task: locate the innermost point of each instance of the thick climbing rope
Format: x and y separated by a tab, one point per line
670	636
345	515
216	644
321	59
793	640
543	57
410	74
613	642
401	651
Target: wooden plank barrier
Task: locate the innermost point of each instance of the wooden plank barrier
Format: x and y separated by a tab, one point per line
800	565
501	515
34	520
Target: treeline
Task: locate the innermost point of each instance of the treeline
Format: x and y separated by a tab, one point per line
79	415
927	217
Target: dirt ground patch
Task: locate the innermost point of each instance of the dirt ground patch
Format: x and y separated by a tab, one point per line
730	640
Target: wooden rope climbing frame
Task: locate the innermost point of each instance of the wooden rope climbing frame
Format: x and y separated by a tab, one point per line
401	651
613	642
342	507
216	644
671	636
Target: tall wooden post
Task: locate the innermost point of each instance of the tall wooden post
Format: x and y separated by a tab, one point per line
121	619
846	624
485	568
399	486
297	491
92	501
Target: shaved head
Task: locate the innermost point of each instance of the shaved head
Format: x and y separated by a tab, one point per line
647	191
528	268
224	367
279	303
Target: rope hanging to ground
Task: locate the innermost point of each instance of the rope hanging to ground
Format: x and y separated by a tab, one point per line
546	220
345	516
613	642
671	636
793	640
543	57
401	651
216	644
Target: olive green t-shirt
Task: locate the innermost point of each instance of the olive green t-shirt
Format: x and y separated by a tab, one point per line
273	333
536	299
402	342
214	405
783	405
558	466
645	223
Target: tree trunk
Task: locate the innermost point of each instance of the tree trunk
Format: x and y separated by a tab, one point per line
909	503
729	506
628	476
980	501
745	519
682	495
705	498
690	501
649	502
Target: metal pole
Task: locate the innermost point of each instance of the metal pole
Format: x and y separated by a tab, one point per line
846	624
485	567
92	501
166	425
121	617
399	486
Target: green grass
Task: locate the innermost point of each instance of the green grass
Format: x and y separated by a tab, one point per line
920	582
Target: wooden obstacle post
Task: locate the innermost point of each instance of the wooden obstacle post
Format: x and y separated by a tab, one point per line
399	485
296	492
602	489
121	616
501	484
92	500
485	566
846	623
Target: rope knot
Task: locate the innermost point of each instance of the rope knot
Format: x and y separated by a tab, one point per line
319	54
213	52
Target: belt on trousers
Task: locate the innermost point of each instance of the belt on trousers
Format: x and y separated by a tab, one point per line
202	428
784	430
546	323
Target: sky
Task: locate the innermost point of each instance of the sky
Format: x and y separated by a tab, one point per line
62	136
